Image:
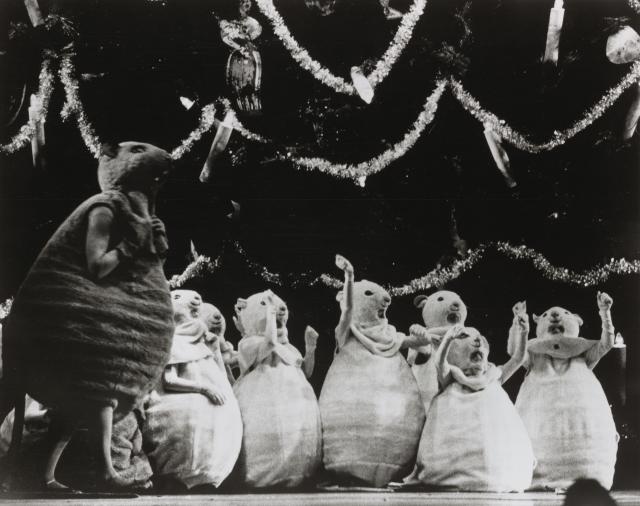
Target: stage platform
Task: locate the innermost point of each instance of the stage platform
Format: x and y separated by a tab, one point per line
626	498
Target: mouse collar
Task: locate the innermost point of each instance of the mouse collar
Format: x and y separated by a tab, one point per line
477	383
382	339
560	346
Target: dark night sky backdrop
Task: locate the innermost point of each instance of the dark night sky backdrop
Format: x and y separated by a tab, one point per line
143	56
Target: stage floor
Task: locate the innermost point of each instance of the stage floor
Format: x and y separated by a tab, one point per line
626	498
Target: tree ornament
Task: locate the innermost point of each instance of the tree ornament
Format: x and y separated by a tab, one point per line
631	121
219	144
556	16
499	154
35	14
623	46
322	7
389	12
361	84
244	66
37	119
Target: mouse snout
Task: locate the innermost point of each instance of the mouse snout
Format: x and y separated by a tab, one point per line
455	306
555	314
386	299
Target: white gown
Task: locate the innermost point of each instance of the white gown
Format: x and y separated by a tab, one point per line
282	440
569	421
372	415
475	440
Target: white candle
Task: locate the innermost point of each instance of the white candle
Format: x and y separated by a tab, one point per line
556	17
35	15
218	145
499	155
631	121
362	84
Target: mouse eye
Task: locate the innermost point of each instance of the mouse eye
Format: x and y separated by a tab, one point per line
544	315
566	312
440	299
263	303
368	293
176	296
138	149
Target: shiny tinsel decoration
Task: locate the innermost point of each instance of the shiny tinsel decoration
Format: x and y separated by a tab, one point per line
73	106
45	88
440	276
515	138
207	119
5	307
324	75
200	266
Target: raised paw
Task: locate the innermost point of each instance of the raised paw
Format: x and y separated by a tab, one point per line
344	264
310	337
604	301
520	308
457	332
417	330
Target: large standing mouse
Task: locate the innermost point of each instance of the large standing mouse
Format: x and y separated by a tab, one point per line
90	328
281	444
562	402
371	409
440	311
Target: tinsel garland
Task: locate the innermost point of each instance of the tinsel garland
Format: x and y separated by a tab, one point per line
635	5
440	276
45	87
201	265
360	171
238	126
5	307
501	127
324	75
73	105
207	120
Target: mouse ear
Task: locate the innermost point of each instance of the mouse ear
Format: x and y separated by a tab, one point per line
241	303
340	296
535	317
109	149
420	301
578	319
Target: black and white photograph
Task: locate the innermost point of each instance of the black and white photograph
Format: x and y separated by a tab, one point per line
320	252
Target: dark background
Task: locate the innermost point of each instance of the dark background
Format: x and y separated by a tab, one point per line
578	204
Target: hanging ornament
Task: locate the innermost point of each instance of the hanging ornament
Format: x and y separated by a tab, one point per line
235	210
499	154
193	251
36	119
322	7
556	16
623	46
631	121
35	14
389	12
186	102
361	84
219	144
244	66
